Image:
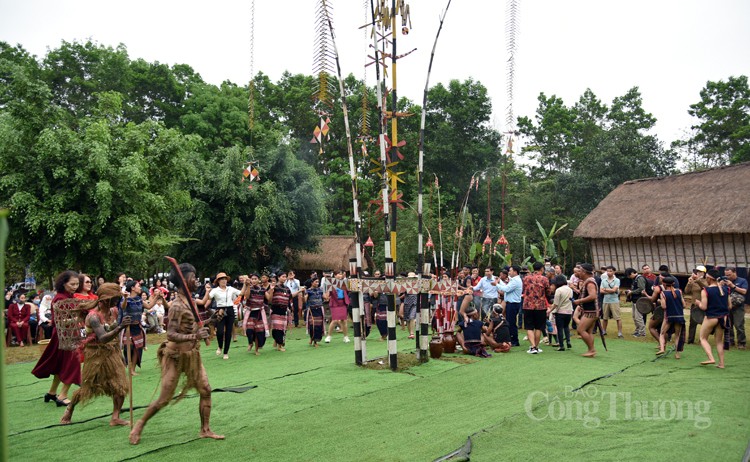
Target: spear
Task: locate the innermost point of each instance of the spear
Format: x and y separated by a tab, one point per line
188	295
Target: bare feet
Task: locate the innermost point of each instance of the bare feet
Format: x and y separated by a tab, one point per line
134	374
257	353
66	417
706	363
209	434
660	352
135	433
250	348
676	356
280	349
720	366
115	422
589	354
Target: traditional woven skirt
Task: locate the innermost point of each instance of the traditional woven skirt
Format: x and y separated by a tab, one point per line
54	361
381	320
103	373
315	323
187	363
278	328
590	314
255	329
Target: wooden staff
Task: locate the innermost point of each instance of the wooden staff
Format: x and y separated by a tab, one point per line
129	354
188	295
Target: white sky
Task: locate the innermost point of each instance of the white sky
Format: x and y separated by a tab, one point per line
668	48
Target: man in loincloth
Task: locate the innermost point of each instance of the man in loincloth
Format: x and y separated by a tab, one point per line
102	373
179	355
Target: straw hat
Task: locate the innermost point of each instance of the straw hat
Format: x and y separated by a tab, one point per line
220	276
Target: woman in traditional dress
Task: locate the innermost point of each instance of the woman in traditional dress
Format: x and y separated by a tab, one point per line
103	373
64	366
314	319
254	321
136	341
715	302
338	302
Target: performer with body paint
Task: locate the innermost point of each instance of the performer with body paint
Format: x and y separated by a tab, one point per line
180	354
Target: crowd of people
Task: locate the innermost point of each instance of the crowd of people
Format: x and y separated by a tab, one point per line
485	312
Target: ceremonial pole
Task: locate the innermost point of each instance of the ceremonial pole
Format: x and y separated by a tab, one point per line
389	269
355	267
423	304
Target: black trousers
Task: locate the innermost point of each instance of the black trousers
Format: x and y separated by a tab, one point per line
562	321
224	329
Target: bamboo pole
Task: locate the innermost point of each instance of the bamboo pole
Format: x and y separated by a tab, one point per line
355	270
4	450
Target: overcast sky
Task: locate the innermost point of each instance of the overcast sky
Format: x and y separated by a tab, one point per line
668	48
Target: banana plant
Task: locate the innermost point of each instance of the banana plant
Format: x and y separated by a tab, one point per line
548	243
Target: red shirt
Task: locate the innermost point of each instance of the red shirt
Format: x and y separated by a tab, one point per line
535	292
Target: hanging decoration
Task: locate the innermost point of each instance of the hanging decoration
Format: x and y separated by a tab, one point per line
250	172
323	67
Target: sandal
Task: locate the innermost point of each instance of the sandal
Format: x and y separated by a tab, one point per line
48	397
62	402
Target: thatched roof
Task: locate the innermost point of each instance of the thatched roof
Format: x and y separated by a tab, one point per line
333	253
705	202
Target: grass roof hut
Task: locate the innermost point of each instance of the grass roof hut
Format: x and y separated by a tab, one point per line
680	221
333	253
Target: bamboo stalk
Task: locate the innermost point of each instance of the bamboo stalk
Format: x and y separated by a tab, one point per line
4	450
359	304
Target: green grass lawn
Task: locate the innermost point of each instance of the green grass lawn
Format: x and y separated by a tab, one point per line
315	404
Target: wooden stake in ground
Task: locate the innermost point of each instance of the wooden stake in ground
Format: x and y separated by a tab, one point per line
130	373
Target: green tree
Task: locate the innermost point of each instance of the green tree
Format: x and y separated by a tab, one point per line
722	134
100	196
234	228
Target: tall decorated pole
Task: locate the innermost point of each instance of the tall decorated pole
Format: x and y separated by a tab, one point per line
380	15
355	268
423	304
4	451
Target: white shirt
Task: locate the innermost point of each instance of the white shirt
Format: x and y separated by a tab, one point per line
293	285
224	298
158	309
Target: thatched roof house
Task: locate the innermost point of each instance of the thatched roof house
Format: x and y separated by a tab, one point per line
333	253
680	220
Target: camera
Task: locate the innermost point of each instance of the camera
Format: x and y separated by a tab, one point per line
722	278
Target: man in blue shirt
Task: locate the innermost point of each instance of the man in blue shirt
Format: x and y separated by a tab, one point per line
512	287
488	286
739	286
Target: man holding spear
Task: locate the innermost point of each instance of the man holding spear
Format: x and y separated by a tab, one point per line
180	354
